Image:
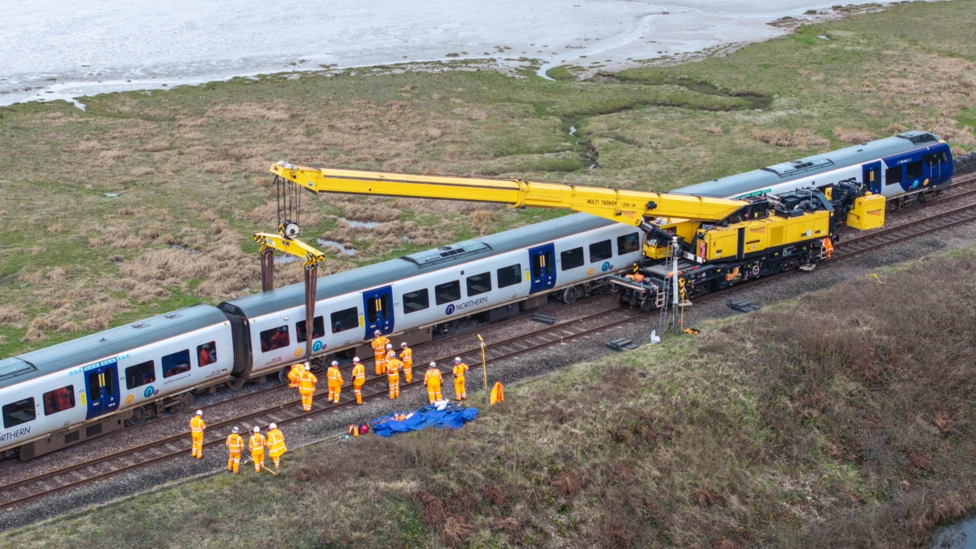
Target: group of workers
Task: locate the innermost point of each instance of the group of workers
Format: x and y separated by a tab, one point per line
274	443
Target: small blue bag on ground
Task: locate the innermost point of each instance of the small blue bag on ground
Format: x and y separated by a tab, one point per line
452	417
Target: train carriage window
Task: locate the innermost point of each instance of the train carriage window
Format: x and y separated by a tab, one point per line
140	374
346	319
275	338
447	292
416	301
570	259
893	176
176	363
18	412
509	276
628	243
318	329
542	264
59	400
600	251
375	305
914	170
479	284
206	354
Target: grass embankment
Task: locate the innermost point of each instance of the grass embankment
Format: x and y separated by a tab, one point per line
190	163
841	419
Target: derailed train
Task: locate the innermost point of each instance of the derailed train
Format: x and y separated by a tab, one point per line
64	394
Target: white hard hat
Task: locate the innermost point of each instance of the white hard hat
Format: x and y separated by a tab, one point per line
272	426
457	359
199	412
335	362
307	367
433	364
355	359
376	333
235	429
389	345
404	344
257	429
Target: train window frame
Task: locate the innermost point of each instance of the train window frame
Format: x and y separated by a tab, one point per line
69	390
440	298
212	353
273	331
349	320
318	329
595	258
128	376
914	170
411	303
894	170
23	405
172	370
571	259
482	277
625	247
372	313
505	278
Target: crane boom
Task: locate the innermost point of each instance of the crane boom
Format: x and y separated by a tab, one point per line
622	206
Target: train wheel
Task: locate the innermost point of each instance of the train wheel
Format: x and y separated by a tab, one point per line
646	305
283	375
139	415
186	401
570	295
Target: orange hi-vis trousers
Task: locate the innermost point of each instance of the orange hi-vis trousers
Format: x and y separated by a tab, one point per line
197	446
459	393
434	392
334	390
379	360
258	457
407	372
234	462
394	380
357	387
307	399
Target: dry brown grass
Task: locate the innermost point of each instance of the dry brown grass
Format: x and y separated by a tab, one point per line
800	138
12	315
853	136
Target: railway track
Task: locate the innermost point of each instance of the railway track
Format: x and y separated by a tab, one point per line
22	491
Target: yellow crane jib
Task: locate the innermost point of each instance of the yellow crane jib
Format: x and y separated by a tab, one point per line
289	246
622	206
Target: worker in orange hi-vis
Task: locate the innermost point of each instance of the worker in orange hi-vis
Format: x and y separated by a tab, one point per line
358	379
379	352
459	369
196	434
406	357
257	443
433	382
335	382
306	386
393	373
295	373
235	445
276	444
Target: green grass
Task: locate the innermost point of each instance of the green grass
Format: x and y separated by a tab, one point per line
191	162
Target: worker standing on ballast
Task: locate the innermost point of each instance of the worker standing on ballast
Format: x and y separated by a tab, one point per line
235	445
295	374
406	357
306	386
393	373
276	444
379	352
196	434
459	369
433	382
257	443
335	382
358	379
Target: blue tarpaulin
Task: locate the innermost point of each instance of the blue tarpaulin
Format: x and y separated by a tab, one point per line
452	417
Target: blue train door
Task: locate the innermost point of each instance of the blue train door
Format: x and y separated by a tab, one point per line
542	268
102	386
378	305
872	176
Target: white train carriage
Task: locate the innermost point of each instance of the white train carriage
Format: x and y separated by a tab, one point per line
411	295
64	394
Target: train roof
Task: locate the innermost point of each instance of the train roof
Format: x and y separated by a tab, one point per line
387	272
773	175
91	348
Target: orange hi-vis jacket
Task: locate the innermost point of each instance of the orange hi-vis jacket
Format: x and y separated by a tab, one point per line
379	346
358	375
276	443
235	443
433	379
335	377
459	370
307	382
256	443
393	366
295	374
406	355
197	426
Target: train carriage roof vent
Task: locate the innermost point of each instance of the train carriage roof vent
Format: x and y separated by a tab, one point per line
447	253
917	137
796	167
139	325
13	367
172	315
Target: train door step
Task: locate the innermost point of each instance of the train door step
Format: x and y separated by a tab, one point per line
743	306
545	319
621	344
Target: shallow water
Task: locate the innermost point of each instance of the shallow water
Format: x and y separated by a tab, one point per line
961	535
334	244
